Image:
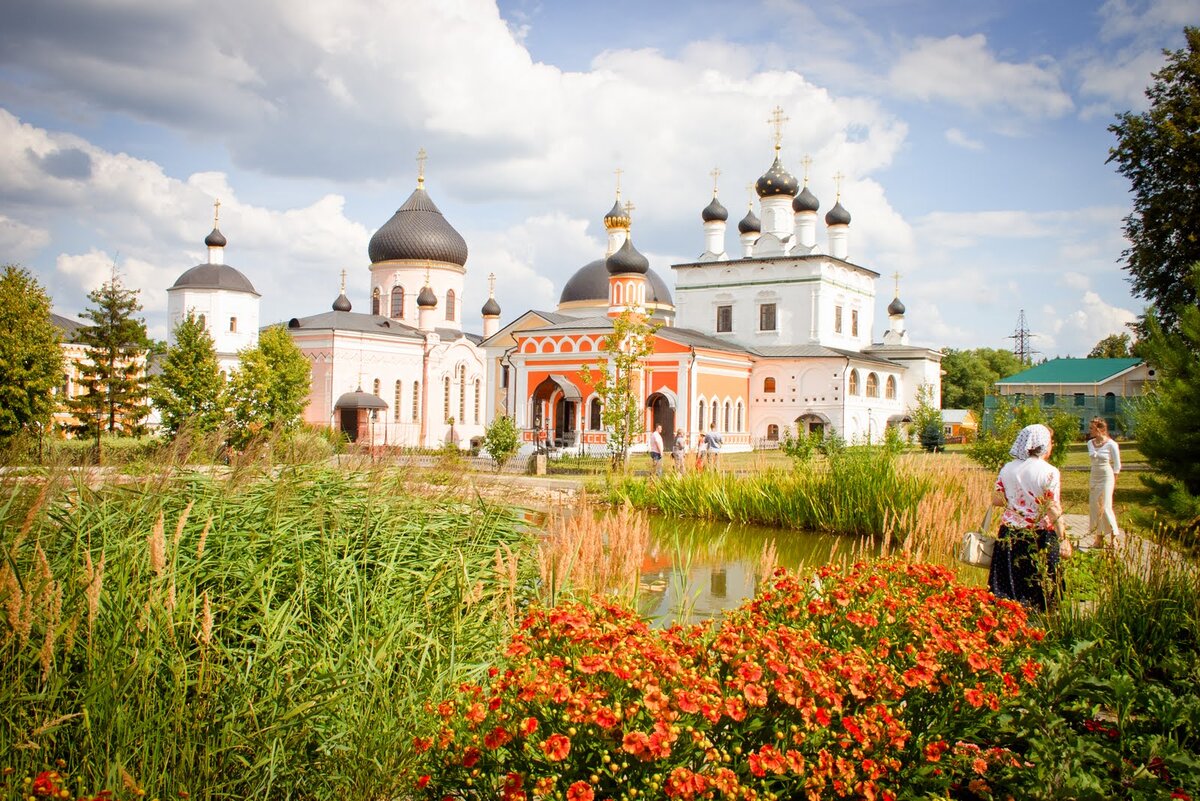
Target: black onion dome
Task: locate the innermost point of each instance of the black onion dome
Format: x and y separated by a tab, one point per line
590	283
837	215
895	307
215	239
342	303
617	217
418	231
214	276
750	223
426	299
491	308
627	260
805	201
777	181
714	212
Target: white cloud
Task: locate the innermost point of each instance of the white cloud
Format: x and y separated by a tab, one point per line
1133	32
1093	321
962	70
1076	280
959	139
19	241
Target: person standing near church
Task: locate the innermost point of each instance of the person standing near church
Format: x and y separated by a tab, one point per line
1105	458
656	451
679	451
713	441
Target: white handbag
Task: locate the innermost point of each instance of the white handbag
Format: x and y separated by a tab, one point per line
977	545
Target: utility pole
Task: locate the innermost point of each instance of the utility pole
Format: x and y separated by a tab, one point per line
1023	341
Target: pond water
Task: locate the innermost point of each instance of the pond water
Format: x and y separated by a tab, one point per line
696	569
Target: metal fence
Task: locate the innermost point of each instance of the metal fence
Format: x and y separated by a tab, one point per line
1113	409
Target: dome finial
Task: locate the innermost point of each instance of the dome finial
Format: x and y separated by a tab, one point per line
491	285
776	120
342	303
750	201
217	213
343	288
716	173
421	157
807	162
629	207
896	276
618	172
838	178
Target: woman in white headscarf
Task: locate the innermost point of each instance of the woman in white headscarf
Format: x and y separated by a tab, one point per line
1026	558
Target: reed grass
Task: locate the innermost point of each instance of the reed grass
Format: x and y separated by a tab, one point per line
582	553
267	635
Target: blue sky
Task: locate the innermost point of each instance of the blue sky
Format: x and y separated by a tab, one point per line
973	138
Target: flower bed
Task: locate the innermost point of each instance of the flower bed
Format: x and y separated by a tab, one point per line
871	681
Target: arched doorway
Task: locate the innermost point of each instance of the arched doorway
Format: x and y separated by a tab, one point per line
555	406
812	424
662	413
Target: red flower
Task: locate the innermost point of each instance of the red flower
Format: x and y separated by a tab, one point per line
528	726
45	783
496	738
934	750
556	747
423	781
470	757
580	791
755	695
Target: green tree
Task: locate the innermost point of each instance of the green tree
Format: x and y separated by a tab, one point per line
31	362
1168	419
971	375
927	420
500	440
188	391
114	374
991	447
1159	152
269	390
1113	346
616	381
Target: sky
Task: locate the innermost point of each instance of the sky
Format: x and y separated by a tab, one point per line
972	139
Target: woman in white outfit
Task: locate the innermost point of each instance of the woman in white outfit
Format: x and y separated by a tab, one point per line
1105	457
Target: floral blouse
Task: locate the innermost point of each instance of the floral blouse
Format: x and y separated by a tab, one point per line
1032	488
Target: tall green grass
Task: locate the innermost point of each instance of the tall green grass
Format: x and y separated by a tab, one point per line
269	636
857	493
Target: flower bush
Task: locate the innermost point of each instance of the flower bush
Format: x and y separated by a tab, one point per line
876	681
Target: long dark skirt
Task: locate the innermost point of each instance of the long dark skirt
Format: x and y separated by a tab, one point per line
1025	567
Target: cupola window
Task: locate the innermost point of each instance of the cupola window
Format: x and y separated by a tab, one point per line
375	300
397	303
450	305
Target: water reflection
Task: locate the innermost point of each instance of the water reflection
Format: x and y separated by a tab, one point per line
695	569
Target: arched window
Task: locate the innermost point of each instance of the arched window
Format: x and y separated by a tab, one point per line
773	433
397	303
594	423
700	416
446	399
396	403
728	410
739	417
768	384
375	300
462	394
616	294
416	404
450	304
716	410
853	390
889	389
872	385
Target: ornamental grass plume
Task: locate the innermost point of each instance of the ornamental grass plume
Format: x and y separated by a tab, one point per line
157	547
583	553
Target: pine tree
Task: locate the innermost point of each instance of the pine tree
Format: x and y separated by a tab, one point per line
188	391
31	363
114	374
269	391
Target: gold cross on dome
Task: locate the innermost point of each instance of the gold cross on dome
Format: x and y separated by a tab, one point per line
750	191
807	162
716	173
491	285
216	212
777	119
629	207
421	157
343	282
838	178
896	275
618	172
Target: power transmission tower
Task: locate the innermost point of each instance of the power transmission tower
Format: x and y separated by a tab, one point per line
1023	341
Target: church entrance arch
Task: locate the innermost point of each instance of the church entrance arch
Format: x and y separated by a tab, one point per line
662	413
812	424
555	405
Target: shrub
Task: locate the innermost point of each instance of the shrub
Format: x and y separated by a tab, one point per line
799	446
501	441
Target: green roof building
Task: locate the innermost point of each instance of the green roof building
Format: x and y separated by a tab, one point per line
1086	388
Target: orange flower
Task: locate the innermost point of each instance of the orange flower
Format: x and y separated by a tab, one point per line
556	747
528	726
755	695
580	791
